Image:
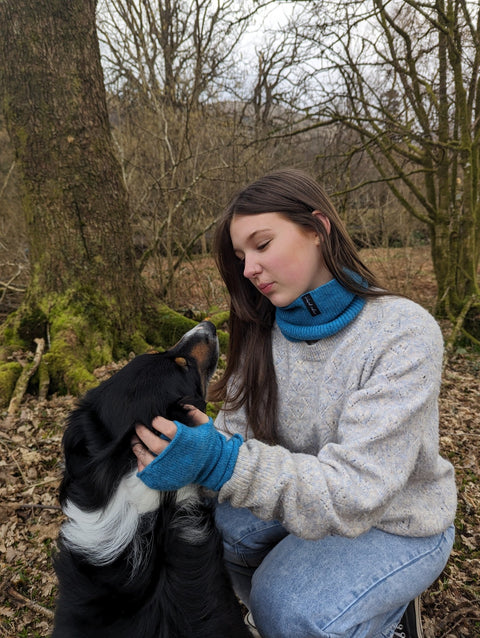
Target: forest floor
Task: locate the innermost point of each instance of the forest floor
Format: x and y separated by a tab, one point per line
30	470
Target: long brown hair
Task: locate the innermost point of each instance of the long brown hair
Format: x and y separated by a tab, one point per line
249	379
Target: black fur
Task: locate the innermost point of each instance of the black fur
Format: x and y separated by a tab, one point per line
170	581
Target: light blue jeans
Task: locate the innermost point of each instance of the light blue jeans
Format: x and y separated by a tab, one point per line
354	588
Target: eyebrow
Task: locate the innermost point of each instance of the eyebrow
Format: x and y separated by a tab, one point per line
252	236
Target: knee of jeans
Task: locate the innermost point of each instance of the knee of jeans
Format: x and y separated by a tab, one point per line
246	538
275	609
278	613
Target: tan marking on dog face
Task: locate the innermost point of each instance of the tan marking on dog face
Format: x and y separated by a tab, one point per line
181	361
201	353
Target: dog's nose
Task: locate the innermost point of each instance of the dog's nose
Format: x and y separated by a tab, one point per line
208	327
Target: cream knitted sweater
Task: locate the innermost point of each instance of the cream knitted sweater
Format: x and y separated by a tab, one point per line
358	431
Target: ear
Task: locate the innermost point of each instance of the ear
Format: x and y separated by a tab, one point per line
324	219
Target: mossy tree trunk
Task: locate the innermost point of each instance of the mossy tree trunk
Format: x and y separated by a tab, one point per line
85	297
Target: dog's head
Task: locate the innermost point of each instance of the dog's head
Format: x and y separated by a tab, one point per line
97	439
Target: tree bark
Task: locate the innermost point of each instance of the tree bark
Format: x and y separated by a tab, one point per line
86	297
56	114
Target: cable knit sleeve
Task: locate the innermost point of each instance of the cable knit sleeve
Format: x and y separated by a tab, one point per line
359	430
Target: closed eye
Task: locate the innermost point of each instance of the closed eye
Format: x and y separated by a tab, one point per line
259	247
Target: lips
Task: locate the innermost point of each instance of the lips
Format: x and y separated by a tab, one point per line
265	288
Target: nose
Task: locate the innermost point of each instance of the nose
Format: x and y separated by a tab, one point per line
251	268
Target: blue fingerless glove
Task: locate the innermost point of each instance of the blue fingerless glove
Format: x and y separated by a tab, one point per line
199	454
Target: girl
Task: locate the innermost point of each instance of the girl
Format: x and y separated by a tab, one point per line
334	504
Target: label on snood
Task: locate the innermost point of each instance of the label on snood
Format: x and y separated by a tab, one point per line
311	306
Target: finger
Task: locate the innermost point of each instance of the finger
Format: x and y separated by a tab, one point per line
144	457
197	416
150	440
135	441
164	426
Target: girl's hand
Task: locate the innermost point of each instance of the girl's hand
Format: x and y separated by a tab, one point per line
146	445
198	454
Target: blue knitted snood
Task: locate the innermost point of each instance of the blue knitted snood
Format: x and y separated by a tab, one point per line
319	313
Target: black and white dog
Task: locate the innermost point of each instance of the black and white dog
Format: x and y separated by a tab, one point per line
134	562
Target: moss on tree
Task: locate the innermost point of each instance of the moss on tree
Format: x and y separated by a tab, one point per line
9	373
80	338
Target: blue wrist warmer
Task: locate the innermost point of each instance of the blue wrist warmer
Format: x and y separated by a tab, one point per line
200	455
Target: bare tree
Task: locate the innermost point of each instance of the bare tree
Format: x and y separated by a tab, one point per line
173	52
404	76
167	63
194	114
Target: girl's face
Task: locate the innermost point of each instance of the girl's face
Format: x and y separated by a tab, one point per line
281	259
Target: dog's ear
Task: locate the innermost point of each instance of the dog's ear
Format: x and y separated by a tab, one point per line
93	463
84	436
